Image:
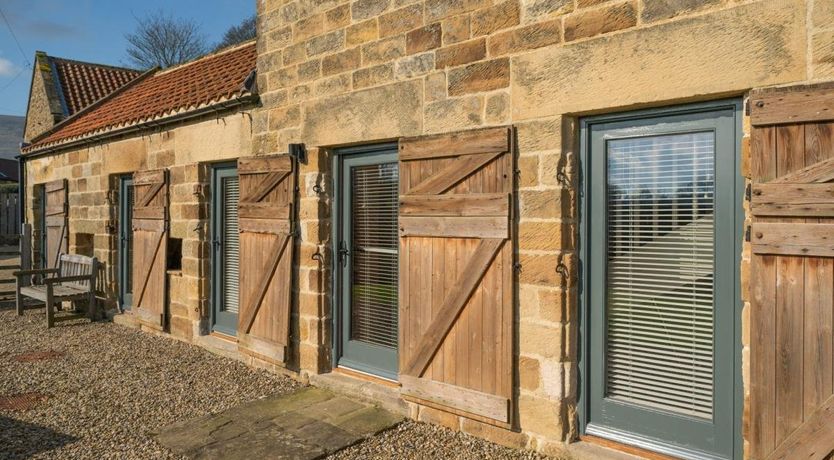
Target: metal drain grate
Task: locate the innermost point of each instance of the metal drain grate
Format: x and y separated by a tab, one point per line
33	356
22	401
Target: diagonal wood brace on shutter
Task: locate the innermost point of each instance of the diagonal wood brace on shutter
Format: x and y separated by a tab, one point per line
807	192
268	271
791	406
150	243
453	305
147	274
266	224
456	198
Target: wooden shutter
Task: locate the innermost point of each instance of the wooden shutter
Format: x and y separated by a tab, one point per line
57	230
792	274
150	246
267	191
456	273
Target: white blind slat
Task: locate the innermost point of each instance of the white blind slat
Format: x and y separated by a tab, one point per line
660	333
375	243
230	187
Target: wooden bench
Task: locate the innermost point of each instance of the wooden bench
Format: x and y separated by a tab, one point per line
73	280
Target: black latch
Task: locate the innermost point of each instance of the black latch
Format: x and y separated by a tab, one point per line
747	234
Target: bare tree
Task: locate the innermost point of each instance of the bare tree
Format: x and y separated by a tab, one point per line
246	30
163	40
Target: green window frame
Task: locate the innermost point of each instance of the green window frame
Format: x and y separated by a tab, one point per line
356	355
125	241
222	321
593	184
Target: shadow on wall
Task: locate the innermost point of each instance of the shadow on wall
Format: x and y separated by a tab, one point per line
20	439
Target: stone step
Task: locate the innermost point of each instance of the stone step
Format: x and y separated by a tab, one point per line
304	425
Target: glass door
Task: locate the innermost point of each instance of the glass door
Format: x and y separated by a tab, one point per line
368	258
662	268
126	241
225	255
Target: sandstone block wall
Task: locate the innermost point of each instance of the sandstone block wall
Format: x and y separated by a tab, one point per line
93	172
339	72
334	73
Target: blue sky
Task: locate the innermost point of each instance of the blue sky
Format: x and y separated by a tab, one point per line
90	30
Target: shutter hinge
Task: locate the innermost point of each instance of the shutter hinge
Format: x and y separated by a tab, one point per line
517	267
748	192
747	234
110	226
111	197
747	107
198	190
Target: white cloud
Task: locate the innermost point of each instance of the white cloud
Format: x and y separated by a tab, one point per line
7	68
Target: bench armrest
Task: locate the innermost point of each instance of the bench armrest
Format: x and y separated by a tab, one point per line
39	271
62	279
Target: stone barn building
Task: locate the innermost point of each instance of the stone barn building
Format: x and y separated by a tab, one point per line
535	221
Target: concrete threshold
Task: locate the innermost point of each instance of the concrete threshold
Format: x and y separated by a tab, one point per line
385	396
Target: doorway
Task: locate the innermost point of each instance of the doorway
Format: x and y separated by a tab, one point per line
225	254
125	255
661	306
367	260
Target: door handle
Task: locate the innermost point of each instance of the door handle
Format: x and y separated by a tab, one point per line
343	253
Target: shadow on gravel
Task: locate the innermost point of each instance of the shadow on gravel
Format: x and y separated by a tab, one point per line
23	440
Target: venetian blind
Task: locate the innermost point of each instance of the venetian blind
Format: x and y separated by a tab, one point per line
660	272
375	254
231	244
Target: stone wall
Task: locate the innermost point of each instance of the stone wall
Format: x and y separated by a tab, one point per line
44	108
339	72
187	151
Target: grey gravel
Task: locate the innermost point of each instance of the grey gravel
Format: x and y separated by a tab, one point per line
115	386
112	388
414	440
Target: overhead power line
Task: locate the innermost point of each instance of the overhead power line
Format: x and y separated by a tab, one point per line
17	42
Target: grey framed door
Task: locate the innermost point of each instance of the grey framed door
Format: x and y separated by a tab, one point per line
660	259
225	254
126	197
367	260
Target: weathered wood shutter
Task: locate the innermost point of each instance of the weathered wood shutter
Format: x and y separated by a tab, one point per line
456	273
150	246
56	211
792	274
267	192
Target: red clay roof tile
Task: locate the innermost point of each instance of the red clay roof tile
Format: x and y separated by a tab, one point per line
201	82
83	83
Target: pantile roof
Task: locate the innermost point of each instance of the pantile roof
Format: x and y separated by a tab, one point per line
157	94
82	83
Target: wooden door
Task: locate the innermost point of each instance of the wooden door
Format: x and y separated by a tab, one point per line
267	193
56	209
150	246
792	274
456	273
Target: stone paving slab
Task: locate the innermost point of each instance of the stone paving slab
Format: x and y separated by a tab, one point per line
307	424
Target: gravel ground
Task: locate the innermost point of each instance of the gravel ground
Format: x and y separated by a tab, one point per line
413	440
112	387
115	385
